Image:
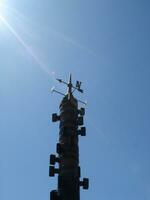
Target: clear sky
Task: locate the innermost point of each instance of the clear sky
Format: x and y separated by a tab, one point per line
106	45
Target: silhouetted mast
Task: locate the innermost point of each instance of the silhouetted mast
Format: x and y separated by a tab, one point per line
70	127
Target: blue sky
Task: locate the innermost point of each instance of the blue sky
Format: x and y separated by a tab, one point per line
106	45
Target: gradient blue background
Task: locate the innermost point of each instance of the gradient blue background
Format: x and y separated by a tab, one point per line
105	44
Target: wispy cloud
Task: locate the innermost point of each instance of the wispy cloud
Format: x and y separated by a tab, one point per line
22	18
72	41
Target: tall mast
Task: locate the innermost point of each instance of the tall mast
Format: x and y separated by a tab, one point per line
70	127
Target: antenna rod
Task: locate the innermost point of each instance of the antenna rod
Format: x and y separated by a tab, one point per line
58	92
70	87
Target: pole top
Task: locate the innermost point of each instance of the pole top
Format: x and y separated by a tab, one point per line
70	88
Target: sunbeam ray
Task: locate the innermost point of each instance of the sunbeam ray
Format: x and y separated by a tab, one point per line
27	48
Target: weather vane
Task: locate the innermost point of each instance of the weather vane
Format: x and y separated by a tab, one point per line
70	88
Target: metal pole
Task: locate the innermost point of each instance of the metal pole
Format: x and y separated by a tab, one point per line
71	120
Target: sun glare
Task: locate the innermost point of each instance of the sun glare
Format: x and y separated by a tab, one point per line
2	9
4	22
1	4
